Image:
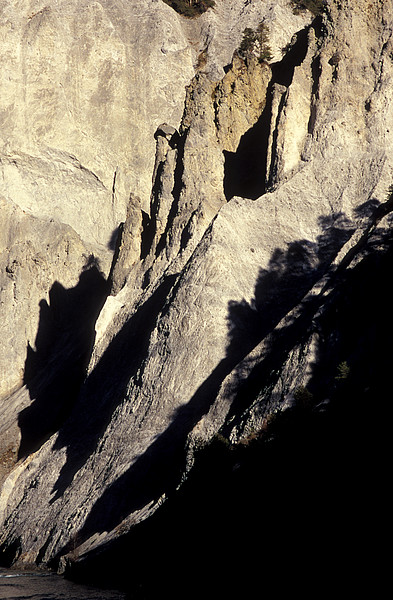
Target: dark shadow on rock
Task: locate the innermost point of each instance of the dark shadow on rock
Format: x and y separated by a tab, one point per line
355	329
291	273
242	516
283	70
245	169
158	470
113	242
298	330
105	387
241	509
55	370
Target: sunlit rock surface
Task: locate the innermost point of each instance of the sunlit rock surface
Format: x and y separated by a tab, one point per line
252	200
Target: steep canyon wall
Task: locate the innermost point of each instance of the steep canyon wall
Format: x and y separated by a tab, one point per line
179	225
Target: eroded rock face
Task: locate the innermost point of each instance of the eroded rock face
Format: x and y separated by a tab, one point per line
84	71
84	87
35	253
219	283
74	80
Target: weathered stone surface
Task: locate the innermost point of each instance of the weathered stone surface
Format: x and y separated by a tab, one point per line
128	250
75	78
77	134
218	33
34	254
232	277
239	101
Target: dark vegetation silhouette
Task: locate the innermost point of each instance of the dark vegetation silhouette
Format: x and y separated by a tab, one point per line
316	7
113	242
255	42
291	484
56	368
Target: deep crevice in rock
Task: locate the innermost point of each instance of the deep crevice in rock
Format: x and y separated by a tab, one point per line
316	71
246	169
149	224
147	235
176	193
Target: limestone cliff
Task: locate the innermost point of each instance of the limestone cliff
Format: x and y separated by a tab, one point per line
251	203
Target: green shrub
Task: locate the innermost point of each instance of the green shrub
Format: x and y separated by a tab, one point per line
303	397
265	52
248	42
190	8
343	371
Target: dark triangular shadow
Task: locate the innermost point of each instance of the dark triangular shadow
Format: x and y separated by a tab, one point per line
299	486
291	273
105	387
55	369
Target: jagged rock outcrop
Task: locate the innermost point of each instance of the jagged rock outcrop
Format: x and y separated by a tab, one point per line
268	199
73	76
77	134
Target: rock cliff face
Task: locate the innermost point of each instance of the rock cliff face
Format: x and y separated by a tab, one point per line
185	239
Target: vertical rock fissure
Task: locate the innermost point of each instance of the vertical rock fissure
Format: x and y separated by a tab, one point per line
316	71
271	169
176	193
249	171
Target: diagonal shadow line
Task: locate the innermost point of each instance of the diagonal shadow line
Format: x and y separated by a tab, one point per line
311	460
55	370
158	470
105	387
264	374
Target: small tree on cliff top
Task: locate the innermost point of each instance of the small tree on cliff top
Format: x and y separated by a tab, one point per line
255	43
